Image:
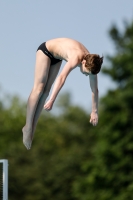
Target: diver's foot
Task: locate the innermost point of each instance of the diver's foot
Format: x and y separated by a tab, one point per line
27	138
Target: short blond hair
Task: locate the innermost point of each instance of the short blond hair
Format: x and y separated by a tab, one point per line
93	63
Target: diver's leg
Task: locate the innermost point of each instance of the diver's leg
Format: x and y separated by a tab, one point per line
41	74
54	69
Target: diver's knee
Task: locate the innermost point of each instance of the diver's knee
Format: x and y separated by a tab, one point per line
38	89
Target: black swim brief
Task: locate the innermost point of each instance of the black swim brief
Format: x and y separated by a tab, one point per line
44	49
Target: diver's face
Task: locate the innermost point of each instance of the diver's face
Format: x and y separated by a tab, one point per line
83	69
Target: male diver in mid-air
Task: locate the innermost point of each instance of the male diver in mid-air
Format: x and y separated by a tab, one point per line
49	58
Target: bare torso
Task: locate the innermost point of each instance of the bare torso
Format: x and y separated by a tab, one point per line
66	49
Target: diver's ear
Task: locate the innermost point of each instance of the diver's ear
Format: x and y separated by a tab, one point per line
84	62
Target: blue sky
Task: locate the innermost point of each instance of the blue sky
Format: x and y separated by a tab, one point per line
26	24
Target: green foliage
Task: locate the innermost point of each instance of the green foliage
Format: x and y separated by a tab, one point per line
120	68
70	159
60	145
109	174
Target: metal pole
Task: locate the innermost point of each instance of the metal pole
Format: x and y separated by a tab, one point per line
5	178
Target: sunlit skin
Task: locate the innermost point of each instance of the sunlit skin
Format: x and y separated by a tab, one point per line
83	69
71	51
86	72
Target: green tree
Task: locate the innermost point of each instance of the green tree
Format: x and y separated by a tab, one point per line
61	144
109	174
70	159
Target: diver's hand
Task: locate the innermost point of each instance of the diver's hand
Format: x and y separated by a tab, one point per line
48	105
94	118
